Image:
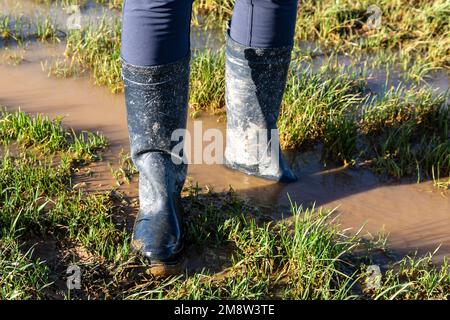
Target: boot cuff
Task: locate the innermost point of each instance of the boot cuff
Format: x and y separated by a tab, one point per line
257	55
155	74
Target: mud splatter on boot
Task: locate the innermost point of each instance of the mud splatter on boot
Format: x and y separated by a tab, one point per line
156	100
255	82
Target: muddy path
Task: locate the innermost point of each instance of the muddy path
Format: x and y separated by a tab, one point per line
414	215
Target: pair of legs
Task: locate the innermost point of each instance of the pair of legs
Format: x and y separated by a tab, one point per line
155	68
157	31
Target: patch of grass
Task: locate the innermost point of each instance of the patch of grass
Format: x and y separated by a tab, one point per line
207	82
5	29
112	4
273	260
96	50
211	14
125	171
414	279
22	28
406	22
321	106
48	136
21	277
408	133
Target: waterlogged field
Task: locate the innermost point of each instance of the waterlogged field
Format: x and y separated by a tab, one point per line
400	131
49	219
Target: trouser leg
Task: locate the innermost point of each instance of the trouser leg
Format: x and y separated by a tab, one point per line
264	23
155	32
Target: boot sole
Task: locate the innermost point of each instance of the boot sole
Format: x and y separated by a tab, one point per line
162	269
165	270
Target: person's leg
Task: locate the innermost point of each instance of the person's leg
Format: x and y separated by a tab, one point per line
155	69
258	52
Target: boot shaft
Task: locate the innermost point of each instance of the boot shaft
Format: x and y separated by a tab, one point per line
156	101
255	81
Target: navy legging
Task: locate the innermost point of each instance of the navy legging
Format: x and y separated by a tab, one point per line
156	32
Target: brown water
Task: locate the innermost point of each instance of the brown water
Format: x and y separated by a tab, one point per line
416	216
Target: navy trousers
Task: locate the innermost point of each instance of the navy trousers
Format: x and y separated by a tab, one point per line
156	32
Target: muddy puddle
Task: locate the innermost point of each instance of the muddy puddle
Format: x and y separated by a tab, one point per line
415	216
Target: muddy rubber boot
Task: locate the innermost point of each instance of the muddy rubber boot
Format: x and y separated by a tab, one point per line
156	101
255	79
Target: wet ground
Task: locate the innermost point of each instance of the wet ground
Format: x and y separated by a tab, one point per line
415	215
